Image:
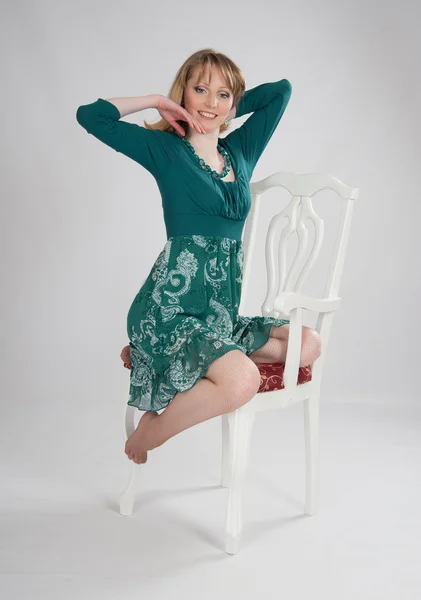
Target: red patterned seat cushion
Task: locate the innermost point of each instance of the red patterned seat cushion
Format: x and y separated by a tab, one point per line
272	376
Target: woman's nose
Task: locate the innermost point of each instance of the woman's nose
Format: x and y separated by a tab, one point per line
211	102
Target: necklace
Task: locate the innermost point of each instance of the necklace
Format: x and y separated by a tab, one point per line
206	167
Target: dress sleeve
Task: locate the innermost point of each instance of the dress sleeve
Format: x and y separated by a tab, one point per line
151	148
267	102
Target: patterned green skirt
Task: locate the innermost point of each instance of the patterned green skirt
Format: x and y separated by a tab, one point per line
185	316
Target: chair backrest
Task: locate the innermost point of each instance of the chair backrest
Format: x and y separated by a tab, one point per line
301	187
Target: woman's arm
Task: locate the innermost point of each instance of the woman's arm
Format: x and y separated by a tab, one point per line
132	104
153	149
267	102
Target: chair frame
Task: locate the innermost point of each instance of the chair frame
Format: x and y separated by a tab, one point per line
283	299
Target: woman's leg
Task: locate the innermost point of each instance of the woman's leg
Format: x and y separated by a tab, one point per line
231	381
275	349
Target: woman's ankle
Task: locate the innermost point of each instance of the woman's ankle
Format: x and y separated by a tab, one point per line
155	436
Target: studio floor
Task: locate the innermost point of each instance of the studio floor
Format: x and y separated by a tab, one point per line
62	536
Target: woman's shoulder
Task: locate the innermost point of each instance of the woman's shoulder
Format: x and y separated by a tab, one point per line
164	146
165	137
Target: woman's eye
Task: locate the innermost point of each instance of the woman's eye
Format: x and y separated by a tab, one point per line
223	93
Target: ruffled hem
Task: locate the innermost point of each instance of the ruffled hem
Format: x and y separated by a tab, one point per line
152	391
254	332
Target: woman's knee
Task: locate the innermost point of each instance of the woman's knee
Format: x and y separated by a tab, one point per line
237	376
312	342
240	379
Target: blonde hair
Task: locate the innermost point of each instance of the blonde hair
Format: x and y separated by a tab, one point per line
203	58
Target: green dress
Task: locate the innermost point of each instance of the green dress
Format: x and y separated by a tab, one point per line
185	315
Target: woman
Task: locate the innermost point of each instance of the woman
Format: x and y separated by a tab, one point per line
190	352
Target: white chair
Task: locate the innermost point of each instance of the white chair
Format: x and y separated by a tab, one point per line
283	299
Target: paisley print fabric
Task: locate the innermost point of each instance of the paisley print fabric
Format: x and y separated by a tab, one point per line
185	316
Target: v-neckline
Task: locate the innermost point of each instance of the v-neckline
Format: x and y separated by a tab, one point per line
233	163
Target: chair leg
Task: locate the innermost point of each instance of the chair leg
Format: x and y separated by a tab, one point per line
225	468
241	426
311	427
127	496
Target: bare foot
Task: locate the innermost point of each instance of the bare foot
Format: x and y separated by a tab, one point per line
125	357
140	441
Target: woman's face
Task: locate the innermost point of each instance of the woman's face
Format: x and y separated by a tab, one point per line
208	96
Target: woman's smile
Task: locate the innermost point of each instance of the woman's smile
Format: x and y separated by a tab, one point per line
205	115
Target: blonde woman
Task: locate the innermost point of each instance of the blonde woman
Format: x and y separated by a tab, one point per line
190	352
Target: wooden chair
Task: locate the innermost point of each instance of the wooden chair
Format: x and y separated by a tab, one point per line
281	384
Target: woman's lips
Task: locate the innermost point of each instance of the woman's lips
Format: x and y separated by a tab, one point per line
208	118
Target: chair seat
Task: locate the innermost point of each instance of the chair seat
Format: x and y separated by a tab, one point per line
272	376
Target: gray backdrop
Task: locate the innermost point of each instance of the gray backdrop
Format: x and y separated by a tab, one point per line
82	225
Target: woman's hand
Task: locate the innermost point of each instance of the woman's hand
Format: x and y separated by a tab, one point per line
172	112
